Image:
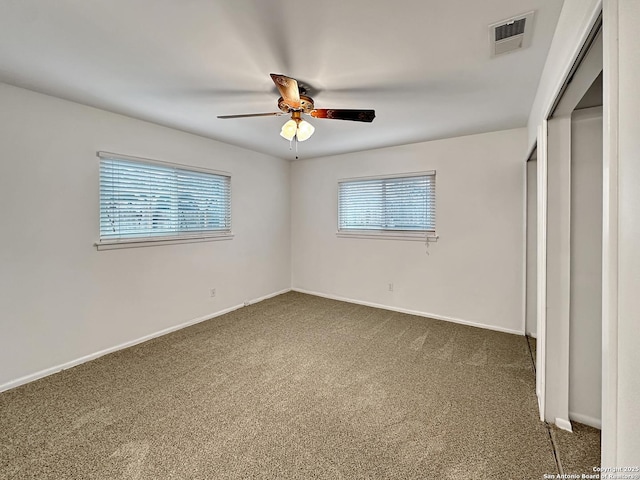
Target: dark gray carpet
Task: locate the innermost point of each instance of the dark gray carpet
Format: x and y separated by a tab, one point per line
578	451
293	387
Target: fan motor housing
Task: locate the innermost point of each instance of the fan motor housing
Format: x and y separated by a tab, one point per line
306	105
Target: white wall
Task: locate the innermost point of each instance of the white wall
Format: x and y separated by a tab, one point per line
60	299
585	330
628	326
573	27
532	248
472	273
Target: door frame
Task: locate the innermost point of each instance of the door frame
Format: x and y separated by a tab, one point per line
541	294
610	212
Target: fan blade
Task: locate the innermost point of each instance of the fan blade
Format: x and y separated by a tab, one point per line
344	114
288	88
274	114
355	115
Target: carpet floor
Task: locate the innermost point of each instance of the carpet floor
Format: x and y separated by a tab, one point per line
578	451
293	387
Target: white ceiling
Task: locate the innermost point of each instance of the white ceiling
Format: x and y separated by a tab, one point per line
423	65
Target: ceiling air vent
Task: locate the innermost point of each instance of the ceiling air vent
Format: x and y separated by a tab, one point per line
512	34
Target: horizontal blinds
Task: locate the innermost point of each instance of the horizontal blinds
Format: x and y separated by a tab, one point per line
139	199
397	204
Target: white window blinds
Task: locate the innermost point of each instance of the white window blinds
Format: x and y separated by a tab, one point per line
406	203
140	199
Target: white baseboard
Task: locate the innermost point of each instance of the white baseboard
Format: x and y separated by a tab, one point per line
410	312
563	424
92	356
540	411
265	297
587	420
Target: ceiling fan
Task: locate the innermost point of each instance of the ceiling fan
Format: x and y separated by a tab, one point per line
294	101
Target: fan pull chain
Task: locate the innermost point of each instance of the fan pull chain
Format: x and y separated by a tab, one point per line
296	147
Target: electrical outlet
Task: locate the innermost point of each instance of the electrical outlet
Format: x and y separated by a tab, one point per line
391	287
212	292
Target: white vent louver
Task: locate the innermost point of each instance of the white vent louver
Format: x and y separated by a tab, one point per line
511	34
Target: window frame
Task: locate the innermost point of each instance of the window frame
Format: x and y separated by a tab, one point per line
384	234
169	239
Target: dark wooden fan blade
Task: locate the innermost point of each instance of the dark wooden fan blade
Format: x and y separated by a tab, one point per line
355	115
288	88
274	114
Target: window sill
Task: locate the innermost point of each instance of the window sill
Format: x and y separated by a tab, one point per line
390	235
155	242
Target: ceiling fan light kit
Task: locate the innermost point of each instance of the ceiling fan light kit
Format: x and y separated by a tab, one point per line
295	103
296	127
305	130
289	130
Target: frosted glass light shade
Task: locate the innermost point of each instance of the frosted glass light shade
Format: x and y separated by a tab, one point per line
305	130
289	130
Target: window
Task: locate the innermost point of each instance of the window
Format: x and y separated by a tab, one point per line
395	206
144	200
